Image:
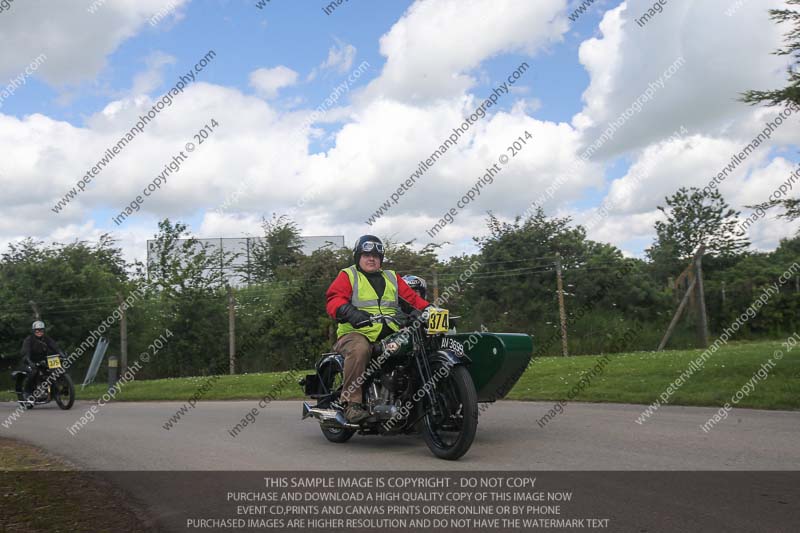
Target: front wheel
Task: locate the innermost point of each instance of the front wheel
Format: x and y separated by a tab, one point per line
64	392
450	433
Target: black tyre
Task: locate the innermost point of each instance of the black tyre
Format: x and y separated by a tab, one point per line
332	377
22	398
450	434
338	435
64	392
19	387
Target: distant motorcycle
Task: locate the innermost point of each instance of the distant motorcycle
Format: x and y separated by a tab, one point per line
416	385
51	370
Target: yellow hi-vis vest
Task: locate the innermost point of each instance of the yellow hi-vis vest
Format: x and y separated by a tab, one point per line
365	298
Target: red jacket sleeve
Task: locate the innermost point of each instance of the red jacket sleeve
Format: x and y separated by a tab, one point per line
410	295
339	293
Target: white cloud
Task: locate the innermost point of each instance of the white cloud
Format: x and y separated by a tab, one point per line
400	119
432	49
340	57
268	81
78	44
692	162
150	79
702	95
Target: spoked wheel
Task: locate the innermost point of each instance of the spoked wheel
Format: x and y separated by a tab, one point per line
450	433
332	378
64	392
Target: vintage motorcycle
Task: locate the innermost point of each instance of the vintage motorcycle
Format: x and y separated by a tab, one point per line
412	384
52	371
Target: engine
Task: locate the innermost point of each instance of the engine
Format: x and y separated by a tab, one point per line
384	392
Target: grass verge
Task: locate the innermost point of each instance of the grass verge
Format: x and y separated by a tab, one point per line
39	493
637	377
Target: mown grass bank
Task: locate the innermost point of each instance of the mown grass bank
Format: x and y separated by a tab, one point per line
40	493
638	377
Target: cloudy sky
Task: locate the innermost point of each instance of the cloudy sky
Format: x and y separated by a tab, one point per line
324	115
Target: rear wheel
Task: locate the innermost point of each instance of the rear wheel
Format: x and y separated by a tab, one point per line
338	435
450	433
23	398
19	386
332	378
64	392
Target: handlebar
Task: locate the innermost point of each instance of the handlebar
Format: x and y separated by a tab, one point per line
375	318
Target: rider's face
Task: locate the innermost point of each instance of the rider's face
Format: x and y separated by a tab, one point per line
38	332
370	262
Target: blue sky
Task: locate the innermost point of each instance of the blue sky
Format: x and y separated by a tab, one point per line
246	38
430	63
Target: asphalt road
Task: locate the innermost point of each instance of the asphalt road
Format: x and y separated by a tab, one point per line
130	436
128	445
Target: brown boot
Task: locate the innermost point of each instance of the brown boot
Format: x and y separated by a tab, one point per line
355	413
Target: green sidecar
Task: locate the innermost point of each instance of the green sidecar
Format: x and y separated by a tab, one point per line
497	360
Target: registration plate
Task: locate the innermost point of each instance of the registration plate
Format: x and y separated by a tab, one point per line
53	361
438	321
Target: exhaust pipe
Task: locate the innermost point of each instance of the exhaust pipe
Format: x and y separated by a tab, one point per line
327	417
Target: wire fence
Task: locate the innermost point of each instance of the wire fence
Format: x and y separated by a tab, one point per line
296	334
240	250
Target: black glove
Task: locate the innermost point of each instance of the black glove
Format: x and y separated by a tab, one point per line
352	314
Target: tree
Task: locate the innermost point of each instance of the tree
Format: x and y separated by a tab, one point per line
694	217
789	95
515	282
188	279
513	286
281	247
73	285
401	258
184	264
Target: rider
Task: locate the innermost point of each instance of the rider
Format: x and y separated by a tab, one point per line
417	284
35	349
361	290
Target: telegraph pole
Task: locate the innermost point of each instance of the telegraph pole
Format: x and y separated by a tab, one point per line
702	316
561	310
231	331
123	337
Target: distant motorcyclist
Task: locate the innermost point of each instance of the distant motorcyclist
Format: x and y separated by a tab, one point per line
359	291
35	349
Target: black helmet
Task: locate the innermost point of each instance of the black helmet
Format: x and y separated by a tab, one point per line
367	243
417	284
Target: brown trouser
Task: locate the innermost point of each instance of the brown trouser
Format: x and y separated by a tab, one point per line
356	350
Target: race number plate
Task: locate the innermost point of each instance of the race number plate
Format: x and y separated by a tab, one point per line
438	321
53	361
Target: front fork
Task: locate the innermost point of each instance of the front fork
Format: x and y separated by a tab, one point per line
424	369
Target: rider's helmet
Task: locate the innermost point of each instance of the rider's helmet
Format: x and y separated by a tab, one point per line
37	325
417	284
367	243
